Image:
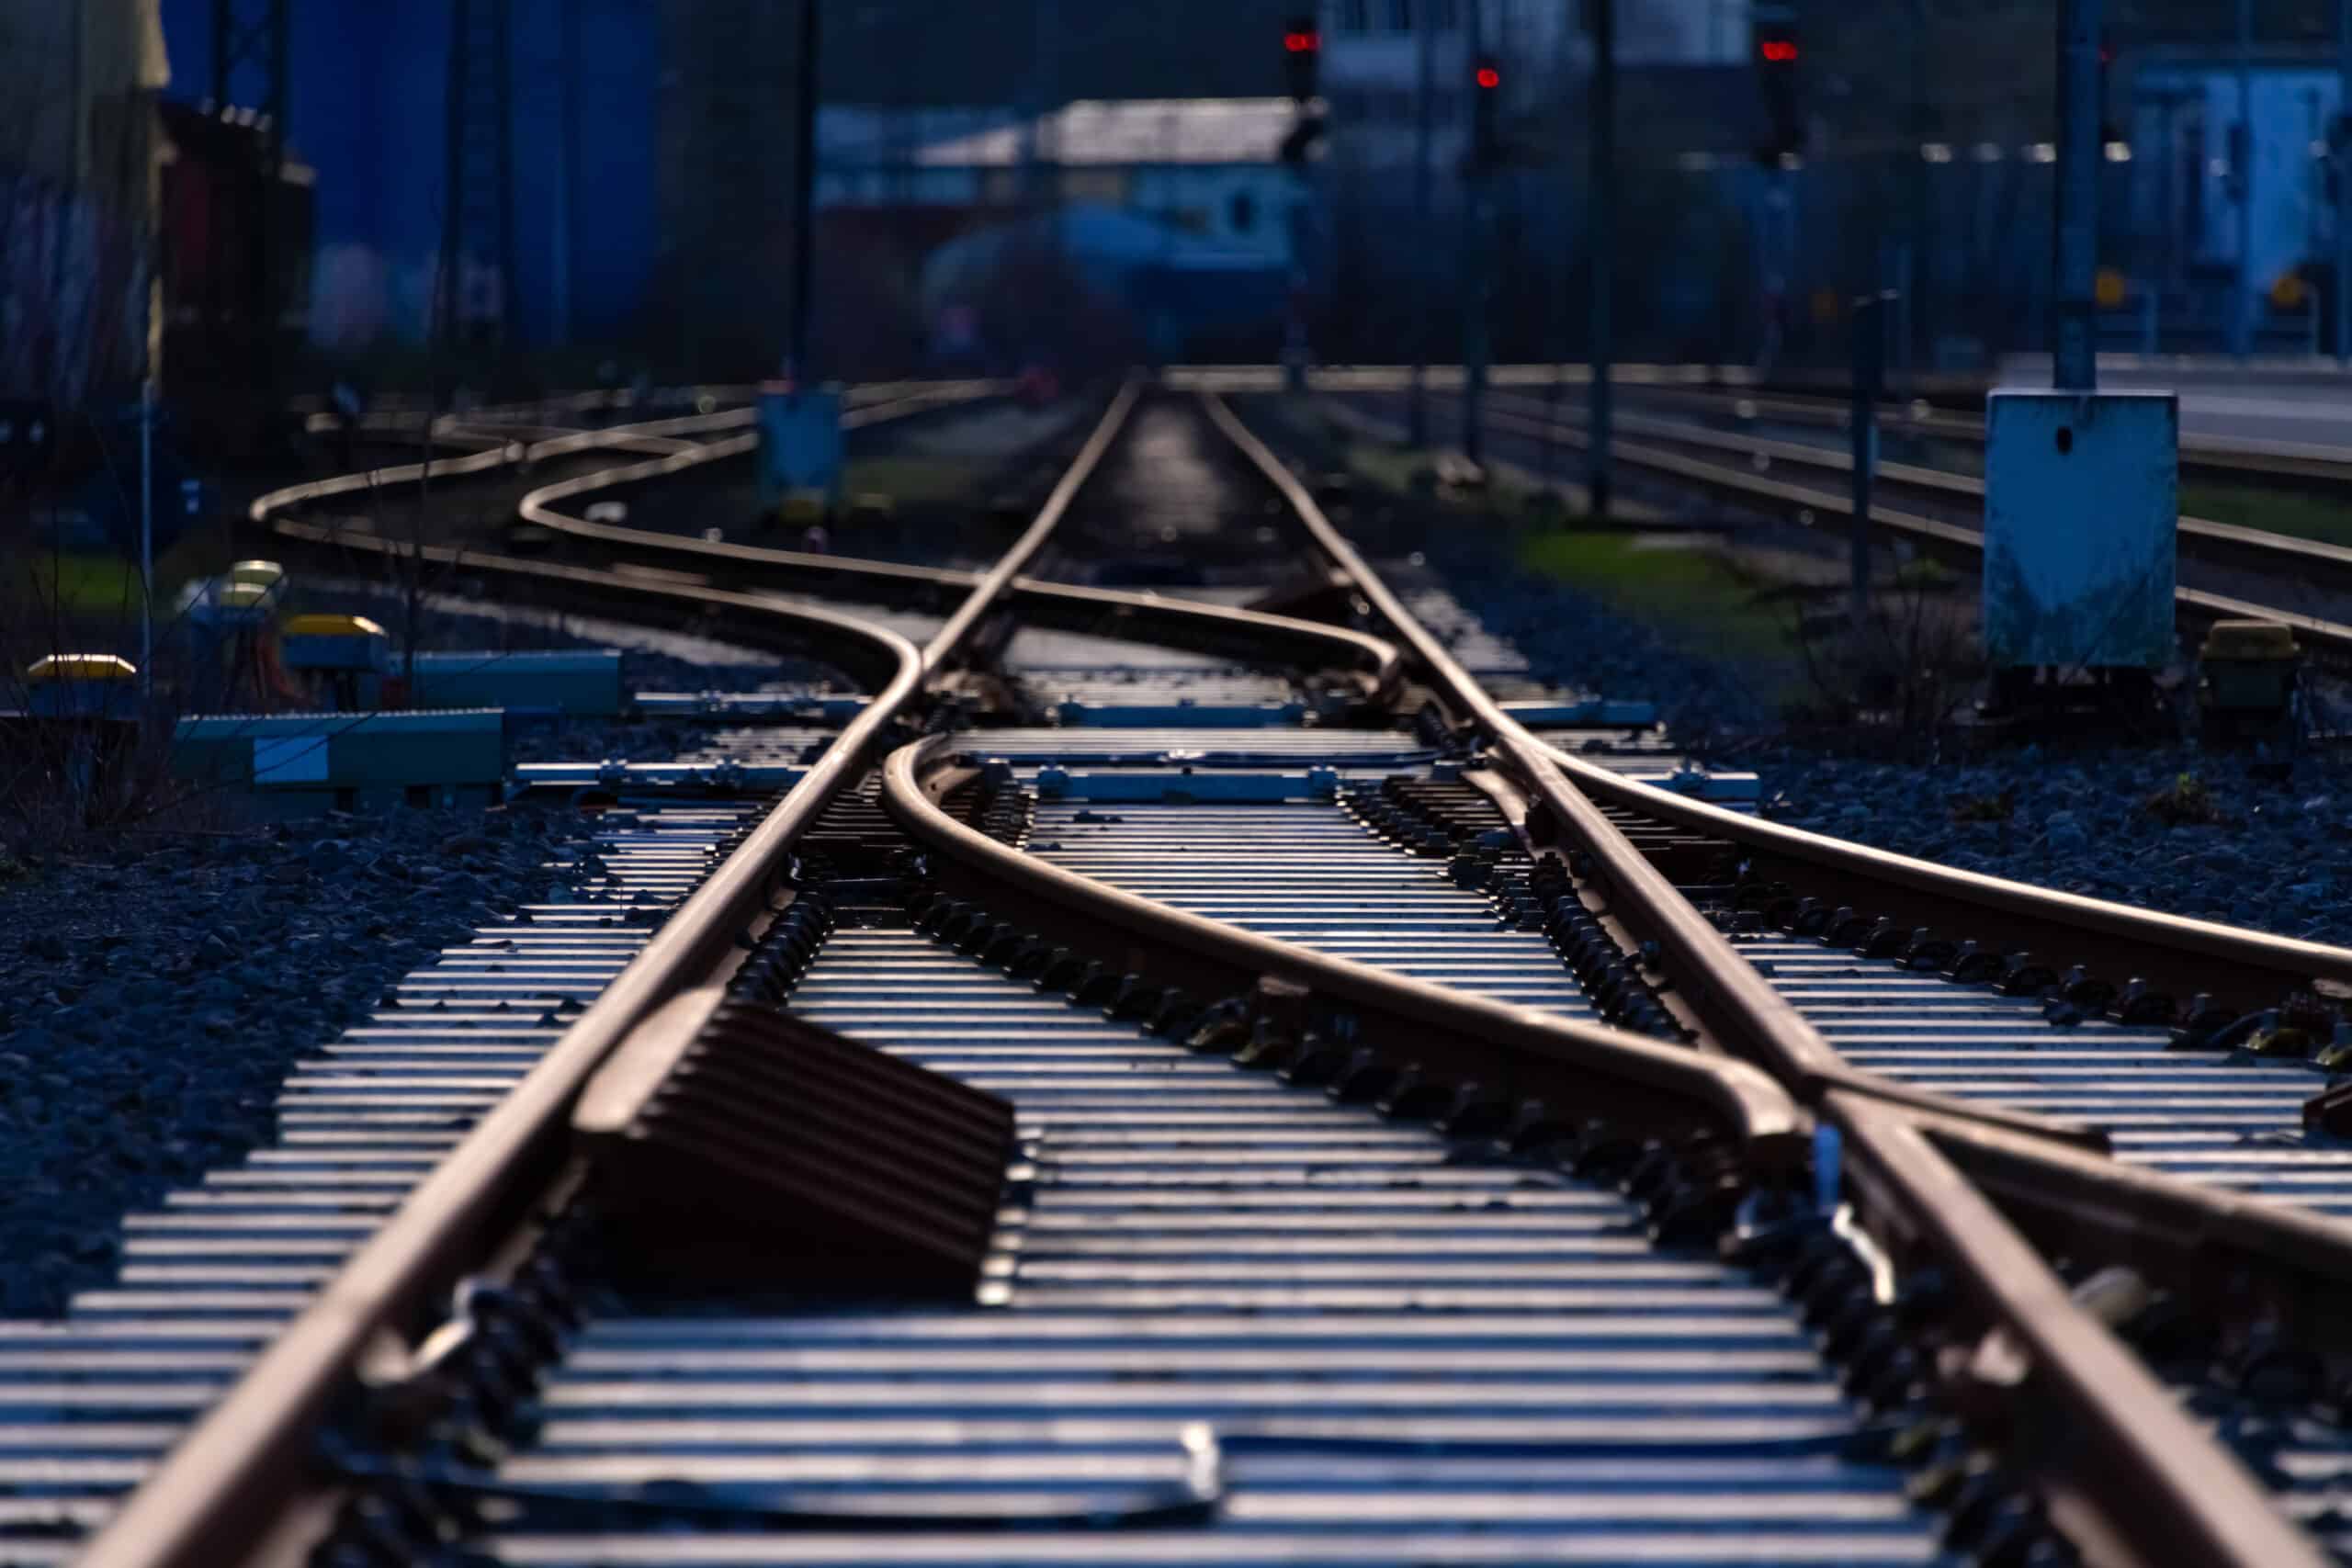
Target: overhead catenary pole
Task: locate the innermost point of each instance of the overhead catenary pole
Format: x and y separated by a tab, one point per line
1474	260
2241	171
799	361
567	172
2340	144
147	533
1869	366
1908	329
2073	347
1604	248
1424	124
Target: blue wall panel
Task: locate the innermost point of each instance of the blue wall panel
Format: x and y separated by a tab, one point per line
366	111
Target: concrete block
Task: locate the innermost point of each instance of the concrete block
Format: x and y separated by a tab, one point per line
569	681
346	759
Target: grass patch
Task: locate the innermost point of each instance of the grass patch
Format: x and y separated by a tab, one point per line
1984	807
1385	468
2183	802
1692	595
1689	592
90	583
2276	511
913	480
85	584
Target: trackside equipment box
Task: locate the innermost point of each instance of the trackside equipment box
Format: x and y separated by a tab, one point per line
800	446
569	681
294	763
2081	506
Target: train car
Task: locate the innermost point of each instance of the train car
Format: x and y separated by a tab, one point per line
234	258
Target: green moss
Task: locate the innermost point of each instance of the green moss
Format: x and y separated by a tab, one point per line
914	481
1692	595
2185	800
2276	511
92	586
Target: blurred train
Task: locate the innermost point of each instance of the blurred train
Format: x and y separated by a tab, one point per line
234	249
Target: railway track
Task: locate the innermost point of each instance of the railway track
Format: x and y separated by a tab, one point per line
1415	1167
2237	573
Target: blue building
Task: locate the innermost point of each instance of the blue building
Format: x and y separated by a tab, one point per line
366	112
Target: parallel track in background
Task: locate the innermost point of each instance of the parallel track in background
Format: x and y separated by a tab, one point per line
2267	575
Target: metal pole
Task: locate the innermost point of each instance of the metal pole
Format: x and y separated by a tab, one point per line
453	186
147	534
1604	247
2074	347
2242	166
2340	149
1474	262
1914	246
1869	363
1417	408
566	165
798	361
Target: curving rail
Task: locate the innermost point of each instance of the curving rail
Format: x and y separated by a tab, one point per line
251	1447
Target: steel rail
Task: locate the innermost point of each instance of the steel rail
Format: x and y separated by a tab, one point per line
1754	1109
603	583
1143	615
403	415
2221	544
1140	616
2235	1257
1743	1010
2206	954
2256	460
250	1450
661	436
2202	538
1146	616
535	507
949	640
2152	1477
2246	1258
2102	1437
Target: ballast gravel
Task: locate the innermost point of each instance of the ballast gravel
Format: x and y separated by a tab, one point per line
153	998
2246	838
2242	838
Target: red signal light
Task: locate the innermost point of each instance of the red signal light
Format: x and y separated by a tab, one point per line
1779	50
1302	43
1490	78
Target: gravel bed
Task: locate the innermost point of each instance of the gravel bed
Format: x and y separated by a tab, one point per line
153	999
2241	838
